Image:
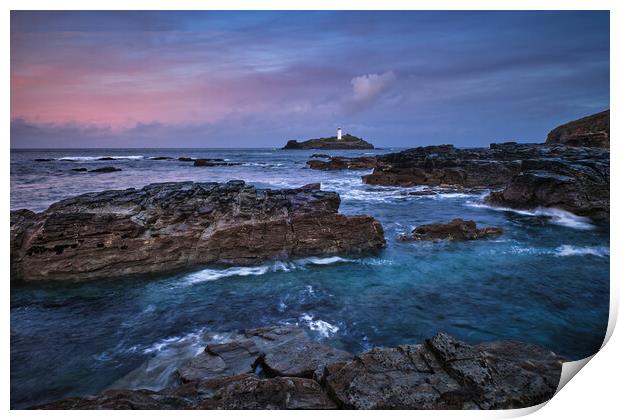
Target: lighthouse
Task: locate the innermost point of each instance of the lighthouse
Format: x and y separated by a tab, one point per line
339	133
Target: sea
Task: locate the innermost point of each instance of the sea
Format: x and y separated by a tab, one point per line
545	281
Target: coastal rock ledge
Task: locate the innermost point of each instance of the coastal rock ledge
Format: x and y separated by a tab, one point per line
170	226
281	368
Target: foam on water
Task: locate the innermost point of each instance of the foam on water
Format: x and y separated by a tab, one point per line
211	274
555	215
323	328
570	251
165	357
97	158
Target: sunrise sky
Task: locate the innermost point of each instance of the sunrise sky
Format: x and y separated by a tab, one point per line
257	79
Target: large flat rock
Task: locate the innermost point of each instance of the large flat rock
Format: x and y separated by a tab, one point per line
171	226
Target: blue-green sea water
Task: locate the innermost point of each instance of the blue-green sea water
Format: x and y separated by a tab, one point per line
545	281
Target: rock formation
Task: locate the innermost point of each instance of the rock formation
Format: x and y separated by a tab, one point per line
580	187
442	373
575	179
347	142
455	230
590	131
171	226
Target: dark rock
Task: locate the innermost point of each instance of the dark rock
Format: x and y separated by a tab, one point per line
590	131
249	392
278	351
106	158
186	159
214	162
330	143
221	360
581	187
79	169
242	392
170	226
442	373
446	374
455	230
161	158
420	193
320	156
106	169
340	163
43	160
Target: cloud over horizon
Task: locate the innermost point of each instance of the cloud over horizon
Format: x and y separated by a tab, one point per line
113	79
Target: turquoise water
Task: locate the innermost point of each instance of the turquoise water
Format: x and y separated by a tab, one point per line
545	281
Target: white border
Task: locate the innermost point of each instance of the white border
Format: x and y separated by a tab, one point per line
593	394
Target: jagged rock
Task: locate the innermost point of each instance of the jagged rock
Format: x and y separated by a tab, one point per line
442	373
221	360
278	351
580	187
249	392
330	143
420	193
445	373
340	163
106	169
590	131
241	392
170	226
455	230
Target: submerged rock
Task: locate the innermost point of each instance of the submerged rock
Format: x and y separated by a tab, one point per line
170	226
106	169
79	169
340	163
455	230
442	373
214	162
330	143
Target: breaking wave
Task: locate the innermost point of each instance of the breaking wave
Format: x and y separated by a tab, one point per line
211	274
555	215
323	328
570	250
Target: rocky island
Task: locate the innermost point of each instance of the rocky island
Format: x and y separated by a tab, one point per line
170	226
326	143
282	368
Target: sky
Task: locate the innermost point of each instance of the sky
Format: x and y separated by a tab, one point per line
258	79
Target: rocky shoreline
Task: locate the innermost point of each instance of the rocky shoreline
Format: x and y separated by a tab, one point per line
171	226
282	368
570	171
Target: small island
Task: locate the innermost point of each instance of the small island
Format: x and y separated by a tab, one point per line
339	141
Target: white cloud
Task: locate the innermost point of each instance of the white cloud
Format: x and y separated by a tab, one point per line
368	87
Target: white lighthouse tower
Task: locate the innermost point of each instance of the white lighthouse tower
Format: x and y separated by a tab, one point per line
339	133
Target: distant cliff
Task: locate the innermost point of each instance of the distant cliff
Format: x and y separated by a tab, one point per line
590	131
347	142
